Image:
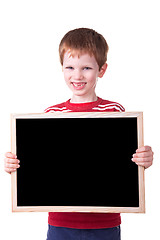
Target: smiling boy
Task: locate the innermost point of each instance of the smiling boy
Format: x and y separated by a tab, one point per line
83	55
81	75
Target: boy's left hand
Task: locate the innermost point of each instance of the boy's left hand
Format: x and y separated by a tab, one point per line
143	156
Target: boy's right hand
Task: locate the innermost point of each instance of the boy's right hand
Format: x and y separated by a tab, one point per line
11	163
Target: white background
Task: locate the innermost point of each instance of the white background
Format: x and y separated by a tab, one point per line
31	80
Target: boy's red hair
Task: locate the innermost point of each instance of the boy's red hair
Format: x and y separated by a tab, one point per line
84	40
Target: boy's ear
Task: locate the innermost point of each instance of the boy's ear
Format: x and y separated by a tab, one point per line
103	70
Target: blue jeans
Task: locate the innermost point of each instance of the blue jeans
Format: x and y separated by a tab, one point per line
62	233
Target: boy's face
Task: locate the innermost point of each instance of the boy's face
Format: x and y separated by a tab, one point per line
81	74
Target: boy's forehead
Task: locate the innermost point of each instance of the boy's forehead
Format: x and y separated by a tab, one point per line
71	53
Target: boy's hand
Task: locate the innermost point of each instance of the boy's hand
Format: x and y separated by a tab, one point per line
11	163
143	156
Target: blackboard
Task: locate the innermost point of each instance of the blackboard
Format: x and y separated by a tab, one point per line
77	162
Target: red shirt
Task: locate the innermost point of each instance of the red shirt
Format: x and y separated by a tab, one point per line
85	220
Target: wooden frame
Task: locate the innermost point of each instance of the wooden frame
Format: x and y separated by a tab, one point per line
104	209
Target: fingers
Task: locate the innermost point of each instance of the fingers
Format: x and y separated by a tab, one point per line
10	170
143	156
10	155
144	149
141	162
11	163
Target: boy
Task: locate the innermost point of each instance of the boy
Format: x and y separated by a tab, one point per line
83	55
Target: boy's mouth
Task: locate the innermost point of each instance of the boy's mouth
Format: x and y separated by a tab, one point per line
79	85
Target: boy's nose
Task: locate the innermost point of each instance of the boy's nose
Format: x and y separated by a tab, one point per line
78	75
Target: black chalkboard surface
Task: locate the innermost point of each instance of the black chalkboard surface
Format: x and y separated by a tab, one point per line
78	162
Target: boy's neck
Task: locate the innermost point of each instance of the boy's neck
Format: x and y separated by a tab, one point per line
82	99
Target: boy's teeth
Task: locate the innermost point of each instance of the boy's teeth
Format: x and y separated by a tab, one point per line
78	84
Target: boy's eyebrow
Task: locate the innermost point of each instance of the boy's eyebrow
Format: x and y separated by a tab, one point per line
82	66
87	65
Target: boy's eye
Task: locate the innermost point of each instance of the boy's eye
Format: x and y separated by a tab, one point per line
69	67
87	68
